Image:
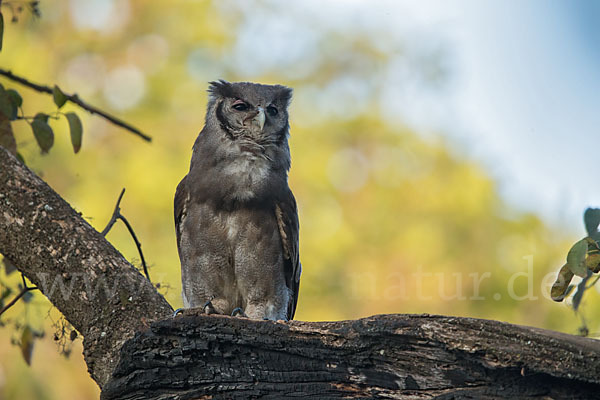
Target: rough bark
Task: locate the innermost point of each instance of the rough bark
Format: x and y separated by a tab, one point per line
387	356
102	295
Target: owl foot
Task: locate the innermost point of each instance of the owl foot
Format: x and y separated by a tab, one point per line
238	311
207	309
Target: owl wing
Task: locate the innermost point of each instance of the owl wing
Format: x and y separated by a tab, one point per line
180	207
287	221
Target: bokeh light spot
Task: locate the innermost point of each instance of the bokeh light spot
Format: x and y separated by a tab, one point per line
149	52
84	73
124	87
348	170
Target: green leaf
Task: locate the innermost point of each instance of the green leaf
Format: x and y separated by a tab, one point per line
59	97
15	98
27	344
576	258
6	105
42	116
596	238
1	29
76	130
42	132
591	218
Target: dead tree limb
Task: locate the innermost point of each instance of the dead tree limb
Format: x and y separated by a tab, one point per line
385	356
101	294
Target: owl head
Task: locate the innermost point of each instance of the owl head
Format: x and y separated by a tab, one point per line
251	112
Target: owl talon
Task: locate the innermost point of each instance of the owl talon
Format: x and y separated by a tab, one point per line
177	312
238	311
209	308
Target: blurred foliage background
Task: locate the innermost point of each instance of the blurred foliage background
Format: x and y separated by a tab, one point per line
392	221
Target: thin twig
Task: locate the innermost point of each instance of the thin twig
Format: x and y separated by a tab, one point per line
138	245
117	215
17	297
74	98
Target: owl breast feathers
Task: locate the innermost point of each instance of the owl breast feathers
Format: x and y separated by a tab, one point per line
235	216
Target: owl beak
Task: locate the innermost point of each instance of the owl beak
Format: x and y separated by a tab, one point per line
259	119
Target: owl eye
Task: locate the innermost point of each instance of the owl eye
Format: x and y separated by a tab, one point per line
272	111
240	105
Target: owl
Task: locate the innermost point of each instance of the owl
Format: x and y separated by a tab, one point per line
235	216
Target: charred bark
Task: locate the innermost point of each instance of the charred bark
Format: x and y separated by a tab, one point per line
101	294
387	356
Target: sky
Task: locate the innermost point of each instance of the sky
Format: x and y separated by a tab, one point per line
525	96
522	95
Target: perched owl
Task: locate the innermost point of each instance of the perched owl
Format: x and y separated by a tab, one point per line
235	215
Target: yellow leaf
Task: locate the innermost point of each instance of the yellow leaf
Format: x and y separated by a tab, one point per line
559	289
592	262
27	344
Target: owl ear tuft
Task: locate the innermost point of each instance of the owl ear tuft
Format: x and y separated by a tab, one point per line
221	88
284	95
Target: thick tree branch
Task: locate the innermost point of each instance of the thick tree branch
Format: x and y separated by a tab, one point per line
74	98
102	295
386	356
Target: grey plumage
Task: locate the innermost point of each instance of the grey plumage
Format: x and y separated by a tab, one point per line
235	215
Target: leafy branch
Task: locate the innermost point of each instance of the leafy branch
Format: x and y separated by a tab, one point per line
60	98
583	260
